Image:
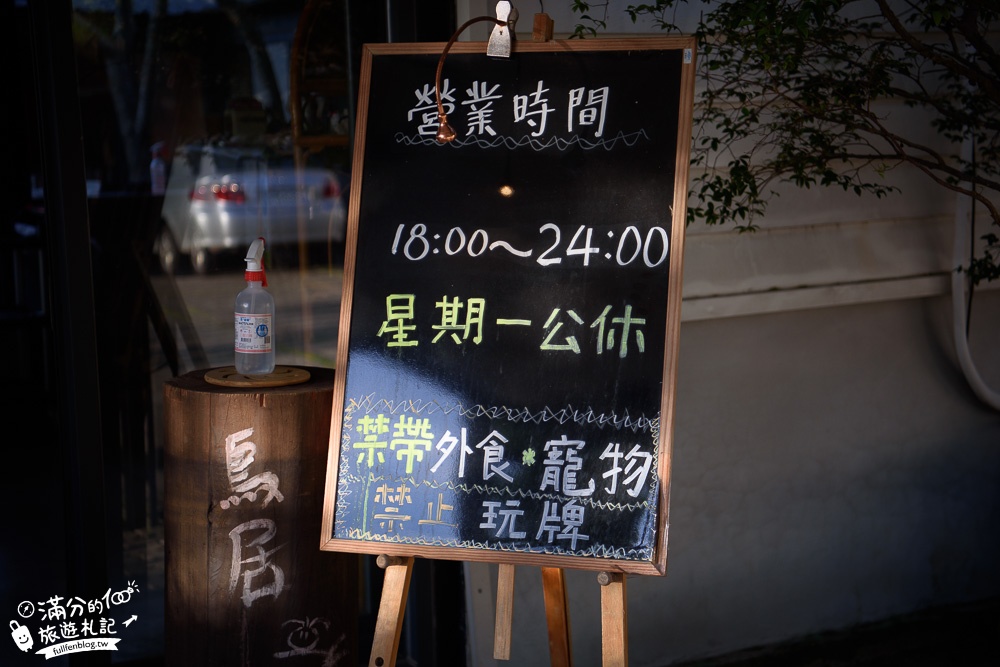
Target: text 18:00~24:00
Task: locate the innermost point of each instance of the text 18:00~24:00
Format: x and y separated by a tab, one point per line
653	248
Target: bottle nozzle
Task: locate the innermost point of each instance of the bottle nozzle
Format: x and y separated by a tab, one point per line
255	262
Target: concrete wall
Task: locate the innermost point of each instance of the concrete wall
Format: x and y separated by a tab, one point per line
831	465
830	468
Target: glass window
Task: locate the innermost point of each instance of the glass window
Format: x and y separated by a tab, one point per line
205	124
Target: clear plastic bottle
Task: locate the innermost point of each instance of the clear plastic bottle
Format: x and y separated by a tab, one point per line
255	318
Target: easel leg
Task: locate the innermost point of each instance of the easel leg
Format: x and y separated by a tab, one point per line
557	615
390	611
614	619
505	612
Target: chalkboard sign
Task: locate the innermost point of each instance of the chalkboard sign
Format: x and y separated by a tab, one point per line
509	326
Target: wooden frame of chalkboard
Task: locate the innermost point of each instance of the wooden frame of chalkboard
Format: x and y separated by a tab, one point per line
509	326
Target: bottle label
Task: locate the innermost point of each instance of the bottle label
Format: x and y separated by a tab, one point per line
253	333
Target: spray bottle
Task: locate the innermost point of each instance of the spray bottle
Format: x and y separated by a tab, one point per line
254	318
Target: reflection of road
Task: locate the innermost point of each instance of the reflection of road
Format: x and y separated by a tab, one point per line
307	312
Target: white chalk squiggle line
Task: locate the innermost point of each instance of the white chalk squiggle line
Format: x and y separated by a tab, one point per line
598	550
348	480
630	139
368	404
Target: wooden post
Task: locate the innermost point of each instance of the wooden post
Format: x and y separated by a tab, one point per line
614	619
390	611
505	612
557	615
246	583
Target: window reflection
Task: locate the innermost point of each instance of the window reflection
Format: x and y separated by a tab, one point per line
207	123
241	110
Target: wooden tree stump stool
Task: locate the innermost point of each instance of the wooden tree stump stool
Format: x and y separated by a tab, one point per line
246	582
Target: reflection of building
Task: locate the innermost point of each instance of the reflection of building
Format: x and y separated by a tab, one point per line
96	327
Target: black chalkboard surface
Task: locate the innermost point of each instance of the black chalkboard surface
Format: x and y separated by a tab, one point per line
509	325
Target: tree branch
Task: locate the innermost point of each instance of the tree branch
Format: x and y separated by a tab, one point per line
952	63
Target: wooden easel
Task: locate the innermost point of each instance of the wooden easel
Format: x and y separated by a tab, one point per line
390	611
614	614
363	392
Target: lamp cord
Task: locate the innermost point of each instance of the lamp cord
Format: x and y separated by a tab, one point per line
442	118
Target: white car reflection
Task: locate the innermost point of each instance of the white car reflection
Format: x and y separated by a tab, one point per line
222	198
